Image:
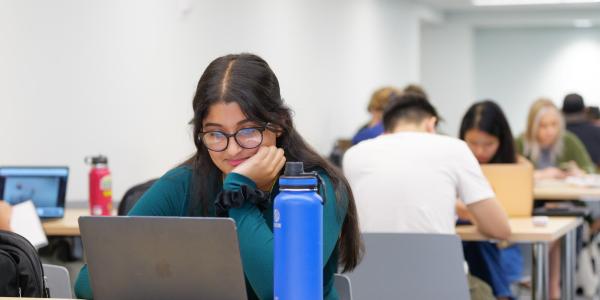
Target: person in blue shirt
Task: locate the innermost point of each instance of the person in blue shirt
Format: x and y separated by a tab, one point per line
374	127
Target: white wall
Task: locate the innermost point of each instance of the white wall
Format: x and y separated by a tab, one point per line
517	65
117	77
447	71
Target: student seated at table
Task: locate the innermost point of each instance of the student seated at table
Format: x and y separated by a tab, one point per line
556	154
578	123
408	179
5	213
486	131
374	127
244	134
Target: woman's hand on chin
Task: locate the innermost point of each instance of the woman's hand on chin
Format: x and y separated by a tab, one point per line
263	167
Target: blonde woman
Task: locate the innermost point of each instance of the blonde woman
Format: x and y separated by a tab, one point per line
555	152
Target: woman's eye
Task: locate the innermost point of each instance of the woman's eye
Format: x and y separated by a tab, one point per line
247	131
215	135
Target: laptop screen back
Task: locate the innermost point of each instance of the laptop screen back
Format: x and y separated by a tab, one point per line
163	258
45	186
513	185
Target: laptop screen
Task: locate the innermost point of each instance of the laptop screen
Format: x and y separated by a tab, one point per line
45	186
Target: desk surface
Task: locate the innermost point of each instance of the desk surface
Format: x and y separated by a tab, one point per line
68	225
523	230
560	190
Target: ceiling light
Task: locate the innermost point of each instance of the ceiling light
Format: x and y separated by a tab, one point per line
528	2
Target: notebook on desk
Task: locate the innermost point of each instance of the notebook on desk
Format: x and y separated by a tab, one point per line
163	258
513	186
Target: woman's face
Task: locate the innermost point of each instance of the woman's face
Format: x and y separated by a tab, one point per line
229	118
548	129
483	145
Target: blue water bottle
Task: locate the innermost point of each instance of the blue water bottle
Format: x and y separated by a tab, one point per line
298	230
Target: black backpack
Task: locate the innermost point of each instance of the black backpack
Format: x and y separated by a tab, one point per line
22	274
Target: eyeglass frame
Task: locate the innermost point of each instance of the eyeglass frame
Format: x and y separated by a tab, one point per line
260	129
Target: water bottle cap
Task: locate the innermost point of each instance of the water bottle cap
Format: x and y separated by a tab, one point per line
294	177
294	168
97	160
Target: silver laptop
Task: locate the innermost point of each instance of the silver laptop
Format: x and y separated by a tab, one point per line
163	258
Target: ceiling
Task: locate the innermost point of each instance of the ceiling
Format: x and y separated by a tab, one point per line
562	15
466	5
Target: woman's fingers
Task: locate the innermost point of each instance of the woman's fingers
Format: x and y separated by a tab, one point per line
279	164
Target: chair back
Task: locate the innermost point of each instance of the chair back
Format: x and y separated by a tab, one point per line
410	266
58	281
343	286
132	195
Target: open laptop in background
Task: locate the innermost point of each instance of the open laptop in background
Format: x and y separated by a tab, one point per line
45	186
513	185
163	258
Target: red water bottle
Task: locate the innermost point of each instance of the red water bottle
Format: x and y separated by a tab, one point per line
100	186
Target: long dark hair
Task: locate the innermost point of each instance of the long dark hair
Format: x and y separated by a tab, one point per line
488	117
247	80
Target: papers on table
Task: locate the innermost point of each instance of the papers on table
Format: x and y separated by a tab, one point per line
26	222
584	181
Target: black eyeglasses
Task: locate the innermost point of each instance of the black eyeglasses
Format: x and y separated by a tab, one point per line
247	138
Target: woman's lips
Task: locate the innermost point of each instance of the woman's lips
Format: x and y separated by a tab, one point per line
236	162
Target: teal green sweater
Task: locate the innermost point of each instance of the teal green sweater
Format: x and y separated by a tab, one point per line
170	196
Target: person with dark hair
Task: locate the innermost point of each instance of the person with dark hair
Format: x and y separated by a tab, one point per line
593	115
579	124
486	131
374	127
408	179
243	136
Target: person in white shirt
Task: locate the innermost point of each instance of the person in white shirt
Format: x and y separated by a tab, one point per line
408	179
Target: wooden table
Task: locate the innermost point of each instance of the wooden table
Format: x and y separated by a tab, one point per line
560	190
66	226
524	231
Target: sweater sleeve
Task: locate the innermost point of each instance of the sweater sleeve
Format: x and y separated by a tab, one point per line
256	237
519	144
575	150
166	197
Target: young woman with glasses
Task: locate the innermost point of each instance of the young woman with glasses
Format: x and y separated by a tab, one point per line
244	135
